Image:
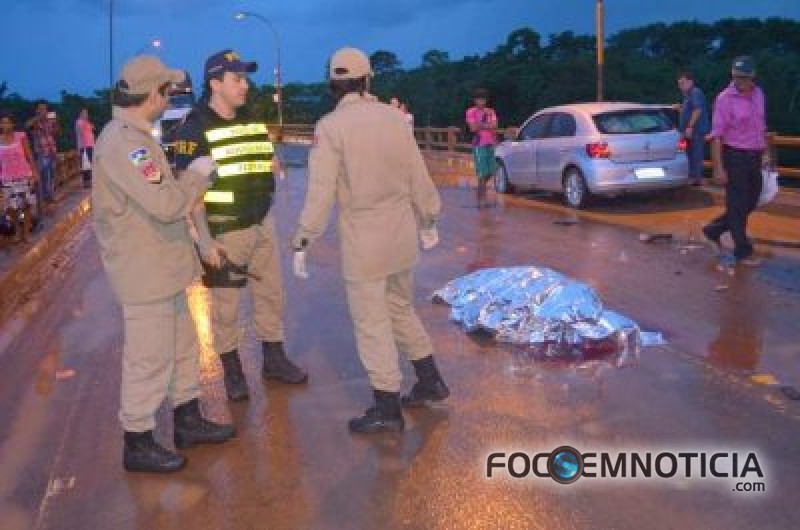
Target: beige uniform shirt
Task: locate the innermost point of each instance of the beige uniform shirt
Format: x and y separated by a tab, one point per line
140	213
365	158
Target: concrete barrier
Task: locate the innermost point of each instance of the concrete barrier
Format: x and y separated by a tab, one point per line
19	281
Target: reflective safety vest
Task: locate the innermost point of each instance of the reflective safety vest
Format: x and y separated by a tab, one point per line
242	193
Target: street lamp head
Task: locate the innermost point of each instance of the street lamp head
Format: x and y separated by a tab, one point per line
240	15
156	43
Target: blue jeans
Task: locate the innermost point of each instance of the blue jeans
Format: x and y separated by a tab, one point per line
47	180
695	152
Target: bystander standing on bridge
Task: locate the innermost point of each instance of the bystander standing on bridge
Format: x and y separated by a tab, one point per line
482	122
739	133
693	124
84	141
44	129
17	168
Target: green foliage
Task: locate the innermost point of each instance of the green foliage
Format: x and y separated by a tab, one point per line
384	62
525	74
642	64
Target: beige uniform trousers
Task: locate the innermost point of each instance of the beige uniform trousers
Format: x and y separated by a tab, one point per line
384	321
160	359
256	247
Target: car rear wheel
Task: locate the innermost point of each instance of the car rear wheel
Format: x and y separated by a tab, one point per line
501	182
576	193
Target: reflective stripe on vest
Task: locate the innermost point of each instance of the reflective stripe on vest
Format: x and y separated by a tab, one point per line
244	168
218	197
242	149
235	131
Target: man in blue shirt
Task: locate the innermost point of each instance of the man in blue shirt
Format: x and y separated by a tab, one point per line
694	125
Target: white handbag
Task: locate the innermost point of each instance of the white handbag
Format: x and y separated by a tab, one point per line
769	187
86	164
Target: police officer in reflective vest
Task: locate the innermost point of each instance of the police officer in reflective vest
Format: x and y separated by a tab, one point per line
240	231
365	157
140	214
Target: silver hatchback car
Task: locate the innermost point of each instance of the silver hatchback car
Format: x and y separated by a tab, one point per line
594	148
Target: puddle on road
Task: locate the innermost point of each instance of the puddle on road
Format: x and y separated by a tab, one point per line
780	272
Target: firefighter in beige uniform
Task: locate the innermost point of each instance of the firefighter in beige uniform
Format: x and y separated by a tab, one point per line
365	157
140	220
236	213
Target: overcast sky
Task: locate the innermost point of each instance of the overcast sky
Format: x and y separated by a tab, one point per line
64	44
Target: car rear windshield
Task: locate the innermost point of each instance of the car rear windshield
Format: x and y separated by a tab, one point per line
637	121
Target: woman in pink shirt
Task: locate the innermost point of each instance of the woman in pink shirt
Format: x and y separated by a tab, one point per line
482	123
84	140
17	171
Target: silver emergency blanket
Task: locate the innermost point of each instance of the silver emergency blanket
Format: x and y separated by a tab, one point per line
555	318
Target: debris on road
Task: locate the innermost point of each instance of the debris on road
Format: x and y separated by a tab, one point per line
791	392
661	237
764	379
566	222
66	373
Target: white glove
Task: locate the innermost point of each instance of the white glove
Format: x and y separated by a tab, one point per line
204	165
299	264
429	237
212	253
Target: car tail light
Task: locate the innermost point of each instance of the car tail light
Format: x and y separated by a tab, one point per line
683	144
598	150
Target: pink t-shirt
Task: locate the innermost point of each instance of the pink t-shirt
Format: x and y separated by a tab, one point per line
740	119
13	162
485	115
84	132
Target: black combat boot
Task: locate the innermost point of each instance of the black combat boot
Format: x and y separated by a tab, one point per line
385	416
192	428
235	383
277	366
429	386
143	453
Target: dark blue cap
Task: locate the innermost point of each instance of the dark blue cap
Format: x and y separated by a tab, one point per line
227	61
743	67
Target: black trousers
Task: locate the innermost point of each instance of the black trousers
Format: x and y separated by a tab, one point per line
741	198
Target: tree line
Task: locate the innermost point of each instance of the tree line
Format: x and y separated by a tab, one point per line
528	72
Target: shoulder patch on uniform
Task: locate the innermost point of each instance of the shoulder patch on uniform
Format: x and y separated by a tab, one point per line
143	161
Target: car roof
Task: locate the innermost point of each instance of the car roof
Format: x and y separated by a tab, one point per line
592	108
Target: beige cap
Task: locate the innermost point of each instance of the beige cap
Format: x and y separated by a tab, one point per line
349	63
144	73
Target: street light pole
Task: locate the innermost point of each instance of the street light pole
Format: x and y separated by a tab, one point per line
600	22
111	52
278	86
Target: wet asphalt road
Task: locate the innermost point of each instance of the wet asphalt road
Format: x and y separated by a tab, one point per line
294	465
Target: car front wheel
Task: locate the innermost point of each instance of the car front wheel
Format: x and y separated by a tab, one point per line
501	182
